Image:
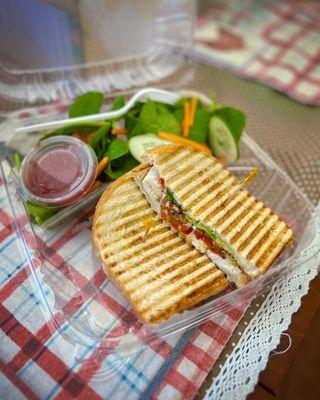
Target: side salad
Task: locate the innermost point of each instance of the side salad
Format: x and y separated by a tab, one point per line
120	143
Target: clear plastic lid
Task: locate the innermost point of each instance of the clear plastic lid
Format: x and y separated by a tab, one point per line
54	51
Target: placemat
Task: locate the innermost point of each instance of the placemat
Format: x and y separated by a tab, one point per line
276	43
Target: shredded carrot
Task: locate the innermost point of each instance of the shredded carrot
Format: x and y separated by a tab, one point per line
85	139
79	136
101	166
250	176
194	102
95	186
119	131
186	119
222	160
184	141
88	137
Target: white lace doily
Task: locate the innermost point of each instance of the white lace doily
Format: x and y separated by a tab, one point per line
239	374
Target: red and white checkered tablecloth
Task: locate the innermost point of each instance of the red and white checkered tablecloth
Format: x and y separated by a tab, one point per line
273	42
38	362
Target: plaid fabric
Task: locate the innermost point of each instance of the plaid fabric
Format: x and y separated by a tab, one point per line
38	358
276	43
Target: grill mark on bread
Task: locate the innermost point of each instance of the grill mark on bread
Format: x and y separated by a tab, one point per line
231	220
148	262
257	217
152	249
171	156
174	170
196	296
168	281
203	195
245	247
139	237
204	208
183	162
128	249
134	209
222	214
266	241
206	185
170	290
147	275
190	189
186	176
270	256
180	293
133	221
147	244
175	252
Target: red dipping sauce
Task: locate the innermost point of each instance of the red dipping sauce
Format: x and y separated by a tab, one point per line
58	172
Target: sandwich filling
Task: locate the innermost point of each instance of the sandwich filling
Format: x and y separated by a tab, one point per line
183	223
206	241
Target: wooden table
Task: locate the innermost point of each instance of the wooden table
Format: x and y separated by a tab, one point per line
295	374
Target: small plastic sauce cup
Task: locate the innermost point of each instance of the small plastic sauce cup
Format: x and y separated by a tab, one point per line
58	171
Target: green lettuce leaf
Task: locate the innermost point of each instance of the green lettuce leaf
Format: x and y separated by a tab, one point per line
128	164
118	103
99	135
39	213
117	149
154	118
86	104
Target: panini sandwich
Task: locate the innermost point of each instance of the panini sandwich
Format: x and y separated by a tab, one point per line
207	205
157	271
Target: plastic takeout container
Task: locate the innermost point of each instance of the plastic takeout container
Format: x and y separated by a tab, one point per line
64	272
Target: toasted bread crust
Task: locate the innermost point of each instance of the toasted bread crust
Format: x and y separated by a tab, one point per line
154	268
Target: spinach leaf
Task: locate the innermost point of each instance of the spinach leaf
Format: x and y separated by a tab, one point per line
233	118
82	127
117	149
201	226
178	113
199	130
128	164
86	104
100	134
118	103
39	213
17	160
171	198
154	118
132	116
208	231
130	122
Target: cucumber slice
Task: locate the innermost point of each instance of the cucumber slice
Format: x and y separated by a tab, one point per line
139	144
222	141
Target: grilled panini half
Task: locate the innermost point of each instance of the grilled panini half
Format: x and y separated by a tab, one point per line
157	271
198	192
